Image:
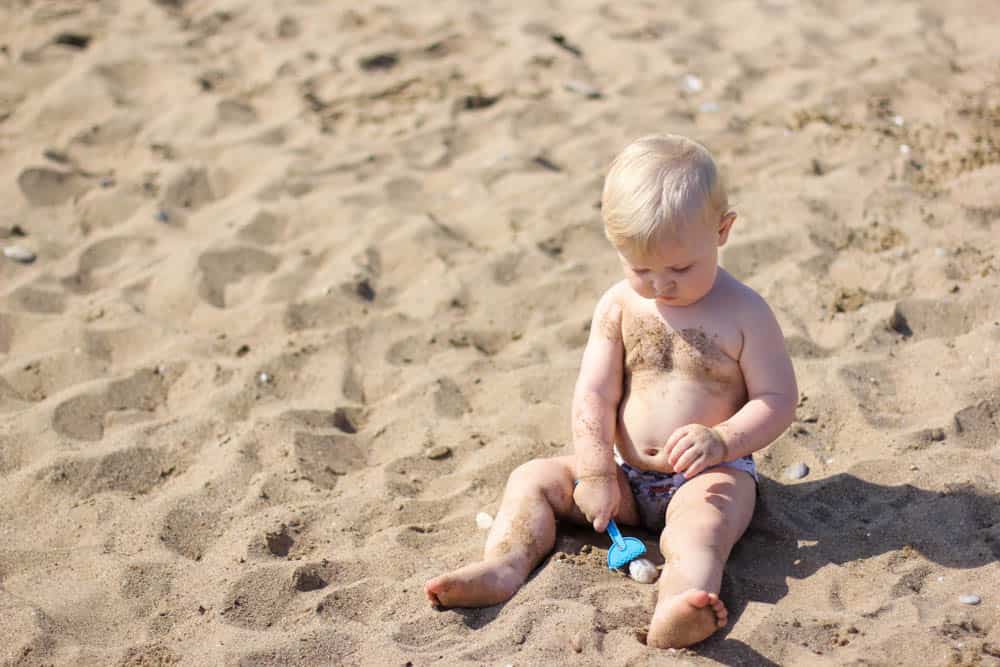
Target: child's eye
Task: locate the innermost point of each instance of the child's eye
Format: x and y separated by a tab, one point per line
683	269
639	272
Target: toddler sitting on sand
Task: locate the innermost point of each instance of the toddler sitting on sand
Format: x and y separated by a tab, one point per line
684	376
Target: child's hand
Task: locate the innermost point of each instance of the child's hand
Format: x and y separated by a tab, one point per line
694	448
598	496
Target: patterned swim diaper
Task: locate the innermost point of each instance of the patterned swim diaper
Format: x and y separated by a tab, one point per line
653	490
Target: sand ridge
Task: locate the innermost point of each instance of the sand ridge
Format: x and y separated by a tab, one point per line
311	280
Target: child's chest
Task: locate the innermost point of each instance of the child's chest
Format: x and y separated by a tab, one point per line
695	347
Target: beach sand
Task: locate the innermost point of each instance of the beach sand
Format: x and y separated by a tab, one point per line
311	280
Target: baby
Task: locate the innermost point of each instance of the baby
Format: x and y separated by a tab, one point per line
684	376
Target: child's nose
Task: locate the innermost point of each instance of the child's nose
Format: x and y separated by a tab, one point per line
662	283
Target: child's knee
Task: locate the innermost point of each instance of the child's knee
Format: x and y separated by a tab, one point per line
710	535
536	472
546	476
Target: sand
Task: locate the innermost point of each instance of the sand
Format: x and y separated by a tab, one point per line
312	278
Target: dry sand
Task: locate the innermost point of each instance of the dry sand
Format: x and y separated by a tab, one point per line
287	249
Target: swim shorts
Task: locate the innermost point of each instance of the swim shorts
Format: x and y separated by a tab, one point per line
653	490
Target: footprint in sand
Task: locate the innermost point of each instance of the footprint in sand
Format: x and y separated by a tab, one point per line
406	476
449	401
187	187
978	426
264	228
936	318
325	443
224	267
232	111
145	585
39	301
101	257
83	416
361	602
133	470
258	599
42	186
190	528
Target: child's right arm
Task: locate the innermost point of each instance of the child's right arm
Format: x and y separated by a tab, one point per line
595	407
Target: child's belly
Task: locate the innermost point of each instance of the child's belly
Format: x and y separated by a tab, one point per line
658	403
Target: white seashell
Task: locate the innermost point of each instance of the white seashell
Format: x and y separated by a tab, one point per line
692	83
643	571
970	599
797	471
19	254
484	521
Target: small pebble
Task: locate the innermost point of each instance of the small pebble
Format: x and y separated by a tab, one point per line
897	120
940	252
107	182
969	599
582	88
439	452
709	107
19	254
264	378
643	571
692	83
161	216
797	471
484	521
904	149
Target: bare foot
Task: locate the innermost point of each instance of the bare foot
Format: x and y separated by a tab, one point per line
477	585
686	619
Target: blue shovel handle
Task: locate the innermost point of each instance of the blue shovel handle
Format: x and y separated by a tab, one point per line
616	536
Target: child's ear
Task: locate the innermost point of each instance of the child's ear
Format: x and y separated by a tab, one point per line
725	224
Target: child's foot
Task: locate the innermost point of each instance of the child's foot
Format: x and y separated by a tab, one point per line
686	619
477	585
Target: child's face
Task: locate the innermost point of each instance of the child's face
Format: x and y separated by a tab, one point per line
681	267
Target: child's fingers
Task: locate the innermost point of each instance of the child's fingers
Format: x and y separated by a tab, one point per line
678	450
687	459
675	436
696	467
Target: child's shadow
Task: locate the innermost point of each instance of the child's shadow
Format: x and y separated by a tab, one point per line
799	528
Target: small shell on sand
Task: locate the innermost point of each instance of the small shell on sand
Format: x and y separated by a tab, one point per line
19	254
643	571
969	599
797	471
484	521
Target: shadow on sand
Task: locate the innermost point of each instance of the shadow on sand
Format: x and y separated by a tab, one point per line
840	519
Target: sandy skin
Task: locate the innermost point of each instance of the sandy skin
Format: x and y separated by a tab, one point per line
688	608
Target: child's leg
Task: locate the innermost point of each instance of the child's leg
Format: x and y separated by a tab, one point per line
523	533
705	518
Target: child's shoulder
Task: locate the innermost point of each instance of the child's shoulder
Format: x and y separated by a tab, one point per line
738	297
616	294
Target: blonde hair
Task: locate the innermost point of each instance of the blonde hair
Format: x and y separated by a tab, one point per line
658	182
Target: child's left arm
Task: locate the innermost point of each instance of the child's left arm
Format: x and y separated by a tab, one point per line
771	399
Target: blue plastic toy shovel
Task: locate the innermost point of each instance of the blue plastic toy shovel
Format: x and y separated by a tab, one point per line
623	550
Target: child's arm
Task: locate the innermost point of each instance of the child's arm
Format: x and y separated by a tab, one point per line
770	408
595	407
